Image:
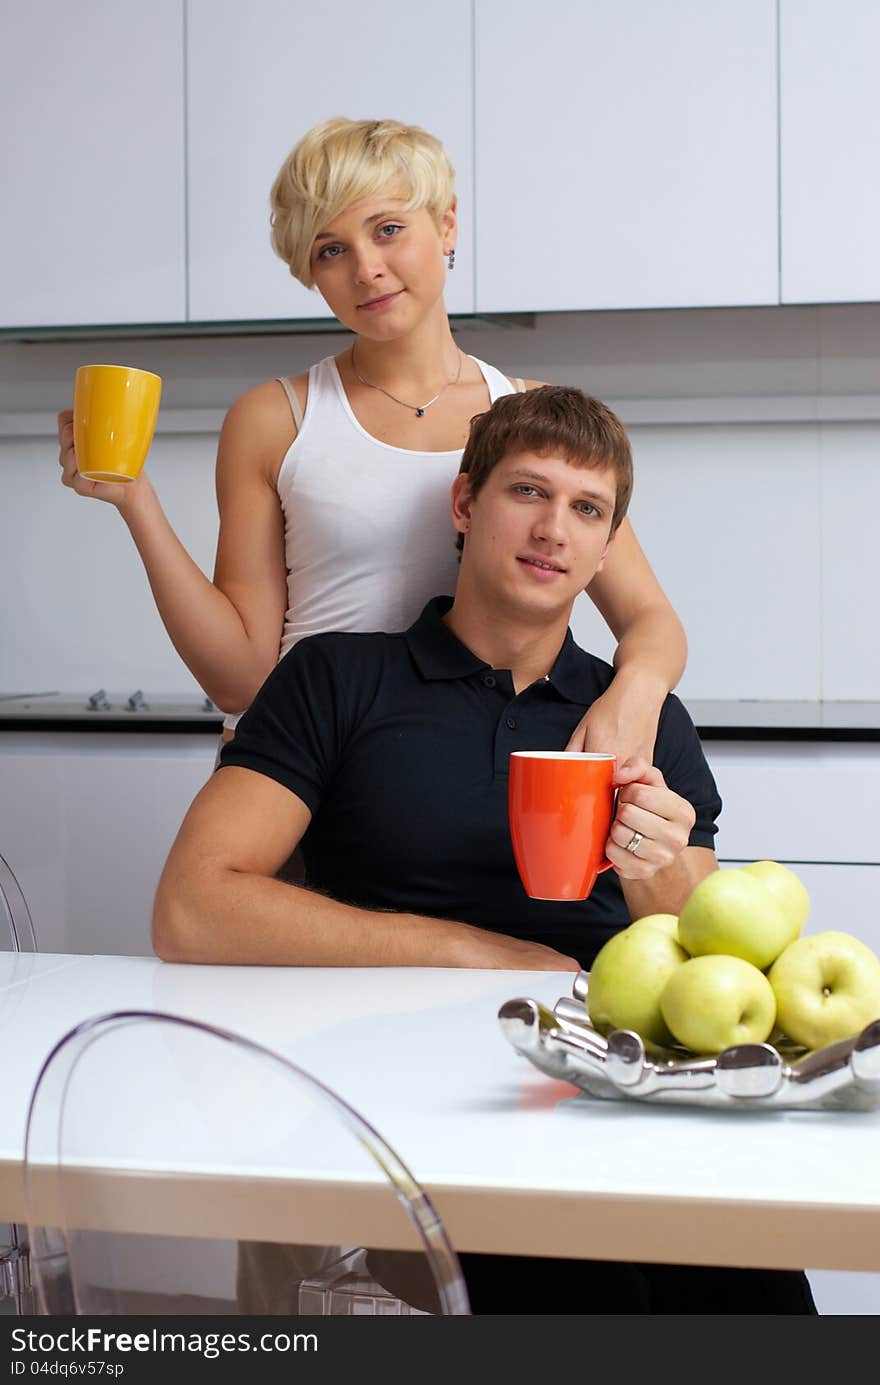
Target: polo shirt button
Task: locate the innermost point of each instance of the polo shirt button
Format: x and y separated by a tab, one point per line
511	722
489	681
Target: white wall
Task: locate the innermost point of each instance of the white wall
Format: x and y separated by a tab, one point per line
761	531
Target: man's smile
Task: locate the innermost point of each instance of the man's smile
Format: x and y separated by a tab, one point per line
542	568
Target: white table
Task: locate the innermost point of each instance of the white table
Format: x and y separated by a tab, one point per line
514	1162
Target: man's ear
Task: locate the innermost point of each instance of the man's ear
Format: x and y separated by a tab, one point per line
461	502
601	563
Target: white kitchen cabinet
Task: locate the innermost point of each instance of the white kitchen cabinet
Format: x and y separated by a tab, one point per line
91	105
86	822
850	561
258	77
626	154
802	801
829	150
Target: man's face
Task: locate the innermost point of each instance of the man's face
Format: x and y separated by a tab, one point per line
537	532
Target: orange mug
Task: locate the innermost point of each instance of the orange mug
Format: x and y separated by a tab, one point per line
560	805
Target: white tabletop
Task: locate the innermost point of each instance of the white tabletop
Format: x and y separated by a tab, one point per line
513	1161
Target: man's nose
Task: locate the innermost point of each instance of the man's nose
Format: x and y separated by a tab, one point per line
549	524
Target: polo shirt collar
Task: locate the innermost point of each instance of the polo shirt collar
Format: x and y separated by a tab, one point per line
436	651
439	654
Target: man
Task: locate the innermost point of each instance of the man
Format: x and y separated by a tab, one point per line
387	757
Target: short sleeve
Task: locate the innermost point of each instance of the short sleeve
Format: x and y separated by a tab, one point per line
679	756
294	730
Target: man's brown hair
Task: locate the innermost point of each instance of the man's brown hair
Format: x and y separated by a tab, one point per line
552	418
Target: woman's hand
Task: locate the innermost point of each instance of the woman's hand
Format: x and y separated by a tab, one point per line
623	721
123	494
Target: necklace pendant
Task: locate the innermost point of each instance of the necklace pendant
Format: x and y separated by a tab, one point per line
420	413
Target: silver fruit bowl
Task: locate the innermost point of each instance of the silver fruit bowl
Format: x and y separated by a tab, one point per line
749	1077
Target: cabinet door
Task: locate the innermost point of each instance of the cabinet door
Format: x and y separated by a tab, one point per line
811	802
830	150
87	821
626	154
91	103
259	76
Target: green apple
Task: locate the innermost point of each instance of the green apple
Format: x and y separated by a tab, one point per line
667	923
827	987
714	1001
626	981
734	913
787	888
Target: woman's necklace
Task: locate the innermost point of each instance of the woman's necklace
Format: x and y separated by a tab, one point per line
419	408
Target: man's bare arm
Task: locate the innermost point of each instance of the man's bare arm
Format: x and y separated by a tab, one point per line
667	891
218	900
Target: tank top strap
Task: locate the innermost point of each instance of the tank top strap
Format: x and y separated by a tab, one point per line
497	382
319	398
293	401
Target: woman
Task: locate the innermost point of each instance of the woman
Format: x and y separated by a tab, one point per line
333	488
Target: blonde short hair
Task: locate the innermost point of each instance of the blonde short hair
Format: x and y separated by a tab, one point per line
340	162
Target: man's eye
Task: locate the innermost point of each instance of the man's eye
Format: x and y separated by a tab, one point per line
525	490
587	509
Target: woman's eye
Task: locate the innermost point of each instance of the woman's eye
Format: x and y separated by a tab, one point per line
391	226
329	252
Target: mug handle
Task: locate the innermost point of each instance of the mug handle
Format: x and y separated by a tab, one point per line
606	864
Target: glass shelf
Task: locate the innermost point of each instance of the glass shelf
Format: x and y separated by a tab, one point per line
302	326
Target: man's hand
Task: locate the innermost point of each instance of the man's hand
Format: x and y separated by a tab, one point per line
662	818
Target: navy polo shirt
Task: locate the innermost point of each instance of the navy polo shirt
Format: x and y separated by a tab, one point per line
399	745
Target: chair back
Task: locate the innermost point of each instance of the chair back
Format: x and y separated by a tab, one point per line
16	928
175	1167
16	935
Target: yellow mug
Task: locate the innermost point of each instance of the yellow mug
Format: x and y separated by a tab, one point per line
114	415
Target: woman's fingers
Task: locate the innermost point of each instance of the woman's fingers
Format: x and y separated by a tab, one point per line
66	454
110	491
65	432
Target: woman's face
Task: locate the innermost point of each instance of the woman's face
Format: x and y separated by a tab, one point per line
382	269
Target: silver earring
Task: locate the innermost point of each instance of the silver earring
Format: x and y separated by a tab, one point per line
452	259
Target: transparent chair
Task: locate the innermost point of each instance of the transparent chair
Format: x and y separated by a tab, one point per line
175	1168
16	935
16	928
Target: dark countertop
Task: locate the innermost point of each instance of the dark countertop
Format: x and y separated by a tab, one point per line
187	714
757	719
138	712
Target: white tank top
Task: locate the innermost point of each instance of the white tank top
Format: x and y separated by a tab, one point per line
368	535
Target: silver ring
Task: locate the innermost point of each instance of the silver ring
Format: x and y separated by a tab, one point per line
634	843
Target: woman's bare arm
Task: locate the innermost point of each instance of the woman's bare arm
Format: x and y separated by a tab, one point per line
650	657
651	642
649	660
227	631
